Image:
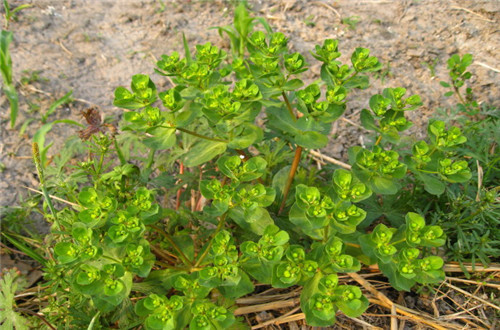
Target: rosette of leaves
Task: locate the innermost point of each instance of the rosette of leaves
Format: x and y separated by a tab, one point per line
334	73
249	207
322	297
143	93
206	315
435	164
294	269
221	195
82	244
314	124
160	312
107	284
379	168
331	257
397	252
98	207
388	110
310	210
348	188
242	171
260	258
222	271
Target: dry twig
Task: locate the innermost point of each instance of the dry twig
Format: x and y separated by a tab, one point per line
279	304
322	157
472	12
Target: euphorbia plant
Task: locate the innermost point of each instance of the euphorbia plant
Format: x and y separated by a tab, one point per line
233	124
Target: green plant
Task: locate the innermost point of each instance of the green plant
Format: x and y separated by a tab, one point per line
11	13
470	216
384	73
351	22
457	67
57	103
309	21
6	69
431	65
11	282
31	76
246	210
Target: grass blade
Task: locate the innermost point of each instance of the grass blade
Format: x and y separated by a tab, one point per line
25	249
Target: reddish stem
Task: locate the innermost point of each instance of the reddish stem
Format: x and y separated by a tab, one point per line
291	175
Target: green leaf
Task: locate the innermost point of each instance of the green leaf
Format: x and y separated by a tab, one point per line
186	244
279	180
163	138
63	100
126	100
318	313
255	222
65	252
385	186
367	120
311	140
397	281
251	134
432	184
293	85
9	285
203	152
352	302
32	253
244	286
187	52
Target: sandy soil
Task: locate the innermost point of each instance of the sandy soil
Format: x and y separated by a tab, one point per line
93	46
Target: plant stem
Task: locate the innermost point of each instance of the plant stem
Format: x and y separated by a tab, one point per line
295	163
291	175
221	223
101	161
111	258
151	159
175	246
196	134
179	192
457	91
352	76
325	233
400	241
119	152
288	105
378	140
39	169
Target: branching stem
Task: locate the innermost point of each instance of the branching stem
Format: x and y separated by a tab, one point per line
295	163
222	221
196	134
175	246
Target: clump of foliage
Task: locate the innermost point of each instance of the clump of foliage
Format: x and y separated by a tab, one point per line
247	211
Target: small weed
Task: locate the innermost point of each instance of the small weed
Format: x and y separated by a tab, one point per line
6	70
384	73
10	14
431	65
32	76
309	21
66	99
351	22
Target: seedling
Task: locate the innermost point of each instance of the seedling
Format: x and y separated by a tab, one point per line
6	69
